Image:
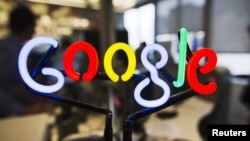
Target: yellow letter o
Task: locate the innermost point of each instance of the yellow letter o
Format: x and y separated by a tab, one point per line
108	61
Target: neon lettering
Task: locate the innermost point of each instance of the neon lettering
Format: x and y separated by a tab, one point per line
208	67
182	59
191	72
23	69
108	61
68	60
154	77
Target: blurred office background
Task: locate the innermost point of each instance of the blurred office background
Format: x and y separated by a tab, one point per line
217	24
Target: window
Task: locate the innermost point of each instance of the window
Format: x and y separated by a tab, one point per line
140	24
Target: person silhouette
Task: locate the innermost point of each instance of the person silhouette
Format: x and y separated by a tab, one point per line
245	97
14	96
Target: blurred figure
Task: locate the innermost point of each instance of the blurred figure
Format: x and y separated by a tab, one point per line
245	98
15	99
248	30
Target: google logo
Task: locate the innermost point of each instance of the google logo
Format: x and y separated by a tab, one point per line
188	69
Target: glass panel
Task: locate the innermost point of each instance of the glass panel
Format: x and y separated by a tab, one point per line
140	25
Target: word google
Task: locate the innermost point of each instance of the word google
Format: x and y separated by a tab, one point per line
190	69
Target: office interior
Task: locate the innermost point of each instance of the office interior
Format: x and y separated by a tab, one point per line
217	24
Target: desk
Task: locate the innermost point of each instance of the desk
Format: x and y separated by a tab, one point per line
25	128
184	126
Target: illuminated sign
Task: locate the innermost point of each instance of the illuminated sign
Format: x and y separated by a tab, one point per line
108	59
23	69
208	67
68	60
190	68
182	58
154	77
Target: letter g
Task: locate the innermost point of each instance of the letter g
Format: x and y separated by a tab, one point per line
22	66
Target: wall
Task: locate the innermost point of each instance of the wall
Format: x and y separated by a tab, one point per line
228	22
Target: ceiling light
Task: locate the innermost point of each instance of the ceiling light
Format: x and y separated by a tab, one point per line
71	3
122	5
